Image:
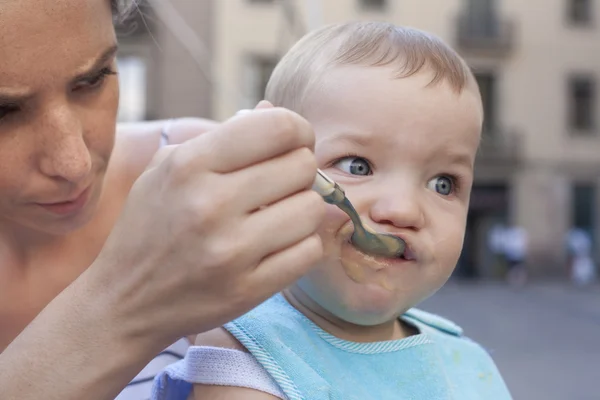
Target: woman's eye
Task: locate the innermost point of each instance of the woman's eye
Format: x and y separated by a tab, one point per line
8	109
443	185
94	81
354	166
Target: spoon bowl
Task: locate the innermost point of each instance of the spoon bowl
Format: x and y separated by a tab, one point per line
363	238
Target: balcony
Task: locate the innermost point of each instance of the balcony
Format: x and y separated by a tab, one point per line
487	35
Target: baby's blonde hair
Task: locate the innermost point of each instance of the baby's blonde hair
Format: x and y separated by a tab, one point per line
364	44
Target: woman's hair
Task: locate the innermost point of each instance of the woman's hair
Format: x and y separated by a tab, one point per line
122	9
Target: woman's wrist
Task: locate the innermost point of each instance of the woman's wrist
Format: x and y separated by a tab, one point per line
105	301
118	354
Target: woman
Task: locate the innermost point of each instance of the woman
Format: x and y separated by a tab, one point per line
108	253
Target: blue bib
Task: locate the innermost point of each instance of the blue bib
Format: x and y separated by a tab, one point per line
309	363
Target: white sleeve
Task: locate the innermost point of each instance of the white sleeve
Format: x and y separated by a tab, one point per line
213	366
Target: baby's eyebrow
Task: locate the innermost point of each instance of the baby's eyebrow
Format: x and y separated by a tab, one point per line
352	138
457	158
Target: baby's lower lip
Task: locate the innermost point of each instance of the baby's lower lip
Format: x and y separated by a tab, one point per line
377	262
408	255
347	235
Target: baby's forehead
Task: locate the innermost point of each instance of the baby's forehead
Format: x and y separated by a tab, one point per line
373	101
398	141
427	122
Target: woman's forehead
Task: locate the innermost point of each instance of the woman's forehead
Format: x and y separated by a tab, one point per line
42	37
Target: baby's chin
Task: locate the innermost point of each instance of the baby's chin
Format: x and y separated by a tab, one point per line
361	290
367	318
365	304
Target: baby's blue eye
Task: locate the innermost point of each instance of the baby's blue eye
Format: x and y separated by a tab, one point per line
354	166
442	185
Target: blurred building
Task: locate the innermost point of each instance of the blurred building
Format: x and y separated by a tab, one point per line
537	63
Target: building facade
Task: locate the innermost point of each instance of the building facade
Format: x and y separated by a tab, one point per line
537	64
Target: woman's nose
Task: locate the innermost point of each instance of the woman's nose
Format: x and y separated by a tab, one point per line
65	153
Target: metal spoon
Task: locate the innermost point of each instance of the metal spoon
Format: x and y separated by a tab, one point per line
364	238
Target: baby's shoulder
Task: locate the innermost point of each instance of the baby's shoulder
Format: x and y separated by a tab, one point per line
450	338
468	365
433	321
219	338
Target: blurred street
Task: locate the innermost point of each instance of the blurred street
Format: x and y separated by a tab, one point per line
544	338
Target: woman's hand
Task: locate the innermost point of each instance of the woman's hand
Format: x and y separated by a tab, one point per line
215	226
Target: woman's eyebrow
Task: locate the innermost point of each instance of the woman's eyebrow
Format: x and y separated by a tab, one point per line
10	96
105	56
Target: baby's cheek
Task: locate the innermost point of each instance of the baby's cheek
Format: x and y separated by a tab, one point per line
329	230
333	221
450	247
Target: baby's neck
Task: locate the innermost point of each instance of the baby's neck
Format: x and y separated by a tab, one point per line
391	330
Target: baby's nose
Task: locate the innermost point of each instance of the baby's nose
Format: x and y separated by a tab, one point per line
401	209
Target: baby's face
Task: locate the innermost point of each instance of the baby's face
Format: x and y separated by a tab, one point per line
404	154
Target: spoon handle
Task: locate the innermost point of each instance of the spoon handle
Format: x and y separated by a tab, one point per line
331	192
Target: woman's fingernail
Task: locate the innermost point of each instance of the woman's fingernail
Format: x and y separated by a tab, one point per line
264	104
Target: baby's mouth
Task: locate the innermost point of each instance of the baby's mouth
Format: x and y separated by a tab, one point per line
373	262
357	259
385	245
364	268
407	255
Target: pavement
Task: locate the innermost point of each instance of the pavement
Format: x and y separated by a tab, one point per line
544	337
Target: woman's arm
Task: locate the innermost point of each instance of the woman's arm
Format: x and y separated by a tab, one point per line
74	349
136	143
72	332
166	272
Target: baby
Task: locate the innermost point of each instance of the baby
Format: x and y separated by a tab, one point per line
397	116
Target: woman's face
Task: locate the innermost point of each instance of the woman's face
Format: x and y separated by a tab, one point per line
58	105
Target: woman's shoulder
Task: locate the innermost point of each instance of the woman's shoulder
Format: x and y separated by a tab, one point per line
137	143
135	146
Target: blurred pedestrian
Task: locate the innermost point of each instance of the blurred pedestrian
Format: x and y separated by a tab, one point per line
515	247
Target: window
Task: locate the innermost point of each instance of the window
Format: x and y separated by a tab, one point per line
487	87
373	4
582	103
583	207
132	87
580	11
482	18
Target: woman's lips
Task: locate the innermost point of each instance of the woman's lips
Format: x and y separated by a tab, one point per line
68	207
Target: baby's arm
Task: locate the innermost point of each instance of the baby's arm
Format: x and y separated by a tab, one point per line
203	392
221	338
